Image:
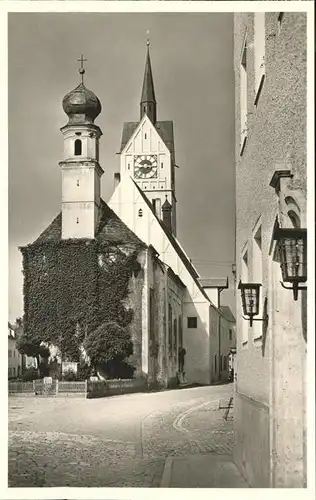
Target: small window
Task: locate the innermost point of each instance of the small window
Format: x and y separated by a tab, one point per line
215	362
140	213
14	371
10	353
77	182
161	187
161	165
145	136
128	166
78	133
230	334
78	147
77	220
192	322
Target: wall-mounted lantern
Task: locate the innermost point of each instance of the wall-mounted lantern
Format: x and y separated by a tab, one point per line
250	294
292	252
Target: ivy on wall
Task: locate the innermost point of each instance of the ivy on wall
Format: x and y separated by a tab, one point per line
73	286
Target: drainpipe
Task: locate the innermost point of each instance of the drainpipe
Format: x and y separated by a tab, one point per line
219	290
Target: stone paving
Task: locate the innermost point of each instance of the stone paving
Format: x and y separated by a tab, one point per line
113	442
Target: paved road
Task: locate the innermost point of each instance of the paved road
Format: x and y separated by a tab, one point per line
118	441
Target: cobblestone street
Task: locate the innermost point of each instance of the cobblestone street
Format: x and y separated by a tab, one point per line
118	441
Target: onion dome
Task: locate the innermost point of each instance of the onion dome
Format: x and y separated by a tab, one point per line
81	105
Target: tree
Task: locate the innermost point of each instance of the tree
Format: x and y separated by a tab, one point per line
108	347
32	348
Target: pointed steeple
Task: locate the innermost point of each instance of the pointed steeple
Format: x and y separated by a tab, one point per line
148	103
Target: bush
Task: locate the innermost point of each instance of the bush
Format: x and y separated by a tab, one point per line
108	347
30	374
69	376
84	371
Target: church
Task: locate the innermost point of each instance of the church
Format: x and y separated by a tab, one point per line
121	261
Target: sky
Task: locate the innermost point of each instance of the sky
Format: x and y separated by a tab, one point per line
192	63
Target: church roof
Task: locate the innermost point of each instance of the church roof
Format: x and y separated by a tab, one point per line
110	229
148	92
164	129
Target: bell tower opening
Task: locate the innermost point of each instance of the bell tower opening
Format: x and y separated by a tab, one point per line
78	147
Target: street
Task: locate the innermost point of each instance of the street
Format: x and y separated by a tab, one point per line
121	441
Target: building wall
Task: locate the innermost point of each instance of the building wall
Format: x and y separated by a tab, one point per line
126	202
275	139
14	359
227	341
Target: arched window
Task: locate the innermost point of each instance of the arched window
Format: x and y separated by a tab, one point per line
78	147
294	218
140	213
293	211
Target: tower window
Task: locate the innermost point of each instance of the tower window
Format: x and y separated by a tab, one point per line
77	220
78	147
161	165
77	182
78	133
128	166
145	136
140	213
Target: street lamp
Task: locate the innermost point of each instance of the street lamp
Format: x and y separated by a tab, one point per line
292	252
250	293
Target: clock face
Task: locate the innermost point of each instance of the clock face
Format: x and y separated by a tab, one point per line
145	166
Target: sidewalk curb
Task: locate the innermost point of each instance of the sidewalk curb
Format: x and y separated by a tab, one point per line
166	475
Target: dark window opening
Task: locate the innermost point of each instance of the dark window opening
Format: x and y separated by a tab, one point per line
140	213
192	322
145	136
78	133
77	220
77	182
78	147
230	334
128	166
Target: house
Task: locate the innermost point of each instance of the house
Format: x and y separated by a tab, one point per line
270	397
14	357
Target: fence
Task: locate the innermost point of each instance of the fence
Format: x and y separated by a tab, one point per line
89	389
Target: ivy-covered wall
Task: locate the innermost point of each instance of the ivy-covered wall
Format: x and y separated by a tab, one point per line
73	286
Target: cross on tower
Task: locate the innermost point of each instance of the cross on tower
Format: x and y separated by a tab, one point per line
81	69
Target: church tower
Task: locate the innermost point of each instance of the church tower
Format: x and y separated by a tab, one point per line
147	151
81	172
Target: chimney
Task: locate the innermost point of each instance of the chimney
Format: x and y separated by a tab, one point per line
117	179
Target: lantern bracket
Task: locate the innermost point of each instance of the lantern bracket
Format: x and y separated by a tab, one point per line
265	319
295	288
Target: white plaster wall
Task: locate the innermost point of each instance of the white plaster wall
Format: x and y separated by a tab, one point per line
88	184
212	294
126	202
196	341
85	212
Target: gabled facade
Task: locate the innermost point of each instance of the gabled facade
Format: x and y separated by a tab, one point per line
147	152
